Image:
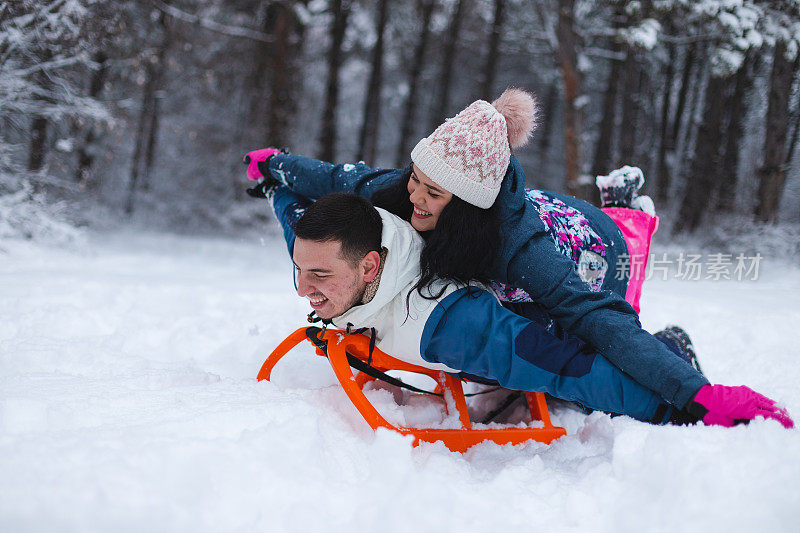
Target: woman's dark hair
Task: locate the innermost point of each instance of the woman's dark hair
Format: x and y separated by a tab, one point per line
463	245
395	198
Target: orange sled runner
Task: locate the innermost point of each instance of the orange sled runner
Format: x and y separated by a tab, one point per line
344	350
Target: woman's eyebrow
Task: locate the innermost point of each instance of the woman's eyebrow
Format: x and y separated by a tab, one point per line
431	187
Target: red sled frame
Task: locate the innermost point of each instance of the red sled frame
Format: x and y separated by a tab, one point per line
340	343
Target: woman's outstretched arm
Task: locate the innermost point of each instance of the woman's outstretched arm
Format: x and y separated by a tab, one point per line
314	178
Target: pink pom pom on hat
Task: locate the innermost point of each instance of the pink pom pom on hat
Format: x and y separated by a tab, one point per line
468	155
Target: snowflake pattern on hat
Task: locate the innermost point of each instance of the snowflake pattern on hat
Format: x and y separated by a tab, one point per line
475	142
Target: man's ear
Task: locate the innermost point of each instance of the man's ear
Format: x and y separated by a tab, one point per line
370	265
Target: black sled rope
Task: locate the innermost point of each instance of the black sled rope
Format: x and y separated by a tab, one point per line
314	334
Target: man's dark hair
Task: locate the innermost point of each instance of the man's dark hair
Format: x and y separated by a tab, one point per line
343	217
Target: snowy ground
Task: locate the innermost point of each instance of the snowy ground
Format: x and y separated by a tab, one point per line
128	402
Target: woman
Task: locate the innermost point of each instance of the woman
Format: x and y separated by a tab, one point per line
465	193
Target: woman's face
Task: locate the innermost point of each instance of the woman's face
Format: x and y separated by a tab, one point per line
428	198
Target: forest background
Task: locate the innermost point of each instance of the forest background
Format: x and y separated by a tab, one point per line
139	111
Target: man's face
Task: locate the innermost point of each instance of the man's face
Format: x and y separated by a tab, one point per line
332	284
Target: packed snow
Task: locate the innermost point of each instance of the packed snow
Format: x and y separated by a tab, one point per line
128	402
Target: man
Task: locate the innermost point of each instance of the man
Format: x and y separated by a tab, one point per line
358	266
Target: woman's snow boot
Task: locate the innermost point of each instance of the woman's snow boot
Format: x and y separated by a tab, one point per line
621	189
677	336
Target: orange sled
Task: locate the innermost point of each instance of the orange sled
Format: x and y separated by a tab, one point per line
338	345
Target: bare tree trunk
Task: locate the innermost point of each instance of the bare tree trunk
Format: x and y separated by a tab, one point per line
277	55
38	139
255	84
633	93
403	149
647	125
603	157
671	140
568	60
280	60
38	143
490	69
773	173
795	126
153	118
736	109
700	183
630	105
341	11
688	138
152	136
147	102
269	85
85	156
546	124
368	140
144	130
794	120
446	77
665	128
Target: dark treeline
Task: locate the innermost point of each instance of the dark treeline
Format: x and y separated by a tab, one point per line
150	104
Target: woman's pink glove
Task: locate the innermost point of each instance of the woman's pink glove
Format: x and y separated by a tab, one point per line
718	405
256	161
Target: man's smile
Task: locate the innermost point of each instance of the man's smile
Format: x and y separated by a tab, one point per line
317	301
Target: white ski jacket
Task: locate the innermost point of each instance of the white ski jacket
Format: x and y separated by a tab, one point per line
398	329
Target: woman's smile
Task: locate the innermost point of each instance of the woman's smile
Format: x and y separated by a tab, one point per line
419	213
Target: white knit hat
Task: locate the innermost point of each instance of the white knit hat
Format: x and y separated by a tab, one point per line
468	155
